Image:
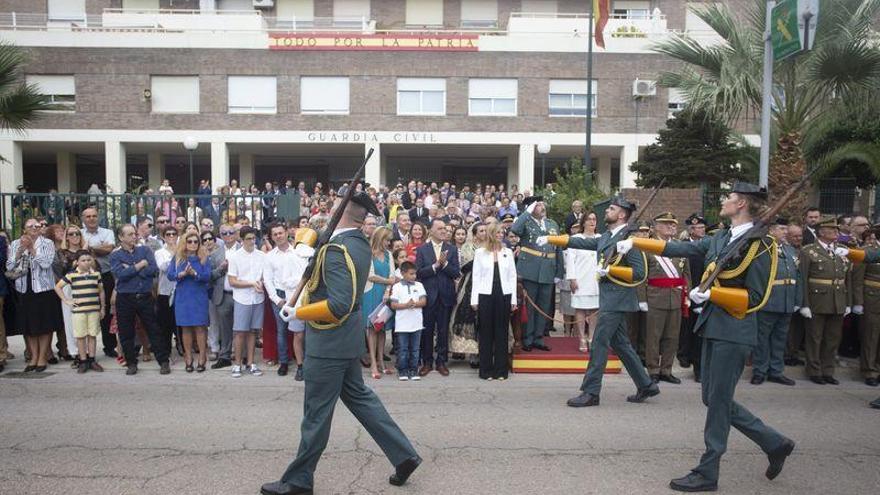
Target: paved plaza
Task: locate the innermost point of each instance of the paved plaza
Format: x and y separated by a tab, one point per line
212	434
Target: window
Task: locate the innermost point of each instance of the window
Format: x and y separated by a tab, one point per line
327	95
295	10
252	94
615	174
539	6
67	10
140	4
175	94
235	5
421	96
568	98
631	9
492	97
676	101
479	13
424	12
359	9
59	90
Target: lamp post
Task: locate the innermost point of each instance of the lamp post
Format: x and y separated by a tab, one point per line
191	145
543	149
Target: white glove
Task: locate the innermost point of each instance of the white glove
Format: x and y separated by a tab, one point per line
699	297
304	251
602	271
698	309
623	247
797	308
858	309
806	313
643	307
556	280
542	240
847	311
531	208
841	251
286	313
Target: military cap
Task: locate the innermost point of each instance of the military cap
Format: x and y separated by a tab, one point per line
623	203
695	219
666	217
644	226
827	221
750	189
363	199
507	217
532	199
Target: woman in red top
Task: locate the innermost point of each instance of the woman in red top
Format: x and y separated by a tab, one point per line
416	239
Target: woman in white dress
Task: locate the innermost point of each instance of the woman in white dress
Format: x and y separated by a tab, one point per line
580	269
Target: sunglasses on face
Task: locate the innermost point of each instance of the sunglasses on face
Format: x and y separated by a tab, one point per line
75	232
227	232
192	241
206	239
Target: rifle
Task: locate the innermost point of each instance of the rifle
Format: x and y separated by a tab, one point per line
633	224
324	238
757	231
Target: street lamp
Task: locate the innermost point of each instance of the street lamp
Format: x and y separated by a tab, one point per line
543	149
191	145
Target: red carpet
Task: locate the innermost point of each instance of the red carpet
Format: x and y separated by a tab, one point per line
563	358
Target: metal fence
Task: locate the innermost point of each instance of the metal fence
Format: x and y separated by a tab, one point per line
117	209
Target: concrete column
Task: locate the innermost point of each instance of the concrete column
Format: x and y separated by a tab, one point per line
65	163
603	172
373	170
526	168
245	170
628	155
114	167
154	169
220	165
12	169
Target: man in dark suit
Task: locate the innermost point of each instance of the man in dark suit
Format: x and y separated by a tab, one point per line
811	218
214	211
419	213
574	216
437	269
400	230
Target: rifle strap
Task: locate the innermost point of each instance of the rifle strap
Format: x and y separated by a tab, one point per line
753	252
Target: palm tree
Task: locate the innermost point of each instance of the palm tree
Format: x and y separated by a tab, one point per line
19	102
725	79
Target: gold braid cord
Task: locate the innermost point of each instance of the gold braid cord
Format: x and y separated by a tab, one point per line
618	259
751	254
315	280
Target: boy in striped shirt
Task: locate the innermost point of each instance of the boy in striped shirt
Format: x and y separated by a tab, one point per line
87	303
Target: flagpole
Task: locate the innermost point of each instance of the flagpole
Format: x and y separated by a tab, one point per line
588	161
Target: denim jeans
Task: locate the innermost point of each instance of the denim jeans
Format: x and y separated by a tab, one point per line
281	335
408	351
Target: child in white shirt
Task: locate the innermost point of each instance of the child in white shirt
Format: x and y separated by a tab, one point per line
408	297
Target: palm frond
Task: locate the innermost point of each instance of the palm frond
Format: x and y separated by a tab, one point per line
18	107
867	154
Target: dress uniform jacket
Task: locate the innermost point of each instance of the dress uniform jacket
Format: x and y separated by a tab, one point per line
787	293
665	292
613	296
541	264
774	318
661	297
827	279
866	293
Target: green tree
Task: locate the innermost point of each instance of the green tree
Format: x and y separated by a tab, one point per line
19	102
695	149
570	183
725	79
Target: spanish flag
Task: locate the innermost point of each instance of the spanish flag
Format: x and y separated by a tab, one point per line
601	11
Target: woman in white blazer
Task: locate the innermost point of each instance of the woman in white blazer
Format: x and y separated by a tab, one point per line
493	297
580	270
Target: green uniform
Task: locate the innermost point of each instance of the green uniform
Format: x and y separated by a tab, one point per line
827	278
537	267
866	293
664	311
775	317
615	303
728	341
332	368
636	323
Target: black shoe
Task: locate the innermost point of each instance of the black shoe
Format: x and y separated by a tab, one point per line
189	368
655	378
871	382
111	353
527	348
643	394
818	380
541	347
781	379
789	361
830	380
282	370
53	360
693	482
40	369
282	488
83	367
583	400
132	369
403	471
670	379
685	363
777	458
299	374
221	363
757	379
29	368
165	368
65	356
797	362
2	367
875	403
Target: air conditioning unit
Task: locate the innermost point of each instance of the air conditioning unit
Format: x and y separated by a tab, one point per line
642	87
264	4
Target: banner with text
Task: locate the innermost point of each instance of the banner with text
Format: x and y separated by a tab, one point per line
373	42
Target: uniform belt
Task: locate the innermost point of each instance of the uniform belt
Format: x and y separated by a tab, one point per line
872	283
666	282
787	281
827	281
535	252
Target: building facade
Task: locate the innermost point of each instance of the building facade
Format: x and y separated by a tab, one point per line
442	90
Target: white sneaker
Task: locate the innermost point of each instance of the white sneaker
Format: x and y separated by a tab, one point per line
236	371
415	377
403	378
254	370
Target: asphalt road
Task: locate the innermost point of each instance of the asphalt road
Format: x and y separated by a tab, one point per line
209	433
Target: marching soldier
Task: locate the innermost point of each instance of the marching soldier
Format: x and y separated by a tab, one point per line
731	326
866	302
332	369
617	298
539	267
637	322
775	317
827	298
667	299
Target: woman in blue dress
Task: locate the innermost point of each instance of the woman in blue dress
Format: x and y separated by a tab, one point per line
379	283
191	269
